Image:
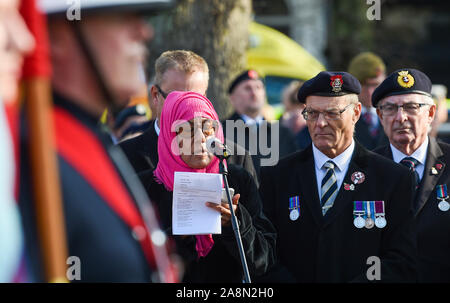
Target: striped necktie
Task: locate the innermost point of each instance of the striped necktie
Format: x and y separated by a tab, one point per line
329	187
411	163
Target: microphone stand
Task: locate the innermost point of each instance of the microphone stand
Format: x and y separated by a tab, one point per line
234	223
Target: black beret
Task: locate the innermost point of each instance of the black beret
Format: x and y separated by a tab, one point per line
403	81
245	75
329	84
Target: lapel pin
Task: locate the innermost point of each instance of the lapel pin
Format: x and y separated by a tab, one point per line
434	171
349	186
358	177
439	166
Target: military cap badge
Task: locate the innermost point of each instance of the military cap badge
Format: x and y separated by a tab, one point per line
336	83
252	74
404	79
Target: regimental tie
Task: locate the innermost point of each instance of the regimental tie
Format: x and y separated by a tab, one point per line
329	187
411	163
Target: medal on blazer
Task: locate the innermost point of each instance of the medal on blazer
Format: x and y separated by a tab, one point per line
370	211
442	196
294	207
358	177
358	211
380	220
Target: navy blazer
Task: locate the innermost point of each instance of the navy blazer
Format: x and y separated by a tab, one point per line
96	234
317	248
432	224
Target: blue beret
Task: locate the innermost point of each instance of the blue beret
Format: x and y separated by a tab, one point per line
329	84
245	75
403	81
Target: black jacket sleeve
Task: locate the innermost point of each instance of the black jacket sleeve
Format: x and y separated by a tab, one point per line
257	232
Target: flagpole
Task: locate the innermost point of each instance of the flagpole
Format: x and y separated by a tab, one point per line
43	159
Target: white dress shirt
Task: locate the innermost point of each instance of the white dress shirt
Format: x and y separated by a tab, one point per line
157	130
341	162
251	121
419	154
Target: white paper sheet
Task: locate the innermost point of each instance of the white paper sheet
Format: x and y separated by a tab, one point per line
190	215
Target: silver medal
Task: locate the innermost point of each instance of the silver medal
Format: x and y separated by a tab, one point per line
380	222
294	214
369	223
358	222
444	205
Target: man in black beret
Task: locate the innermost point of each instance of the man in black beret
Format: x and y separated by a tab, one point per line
266	145
406	111
342	213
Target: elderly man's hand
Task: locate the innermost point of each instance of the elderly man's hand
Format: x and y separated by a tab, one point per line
224	209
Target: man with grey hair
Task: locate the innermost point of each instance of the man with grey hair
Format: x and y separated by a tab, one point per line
406	111
337	206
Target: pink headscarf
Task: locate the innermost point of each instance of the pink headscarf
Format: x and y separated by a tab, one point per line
180	107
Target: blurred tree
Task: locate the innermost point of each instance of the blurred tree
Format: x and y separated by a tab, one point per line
217	30
349	32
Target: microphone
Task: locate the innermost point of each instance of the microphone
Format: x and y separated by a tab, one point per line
217	148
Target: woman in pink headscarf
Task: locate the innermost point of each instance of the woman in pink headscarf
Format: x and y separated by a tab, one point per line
187	120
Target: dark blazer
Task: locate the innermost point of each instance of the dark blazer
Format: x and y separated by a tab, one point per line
222	264
142	152
362	134
96	233
317	248
433	225
287	142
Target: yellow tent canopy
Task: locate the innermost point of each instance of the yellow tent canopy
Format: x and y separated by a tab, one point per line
273	53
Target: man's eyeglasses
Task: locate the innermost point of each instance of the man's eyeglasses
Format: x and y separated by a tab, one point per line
411	109
313	115
164	94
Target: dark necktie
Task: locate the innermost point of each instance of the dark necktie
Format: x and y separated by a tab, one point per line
411	163
329	187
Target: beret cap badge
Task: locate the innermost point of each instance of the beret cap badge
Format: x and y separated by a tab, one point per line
336	83
252	74
404	79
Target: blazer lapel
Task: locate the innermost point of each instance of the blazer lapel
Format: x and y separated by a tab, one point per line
344	197
306	176
149	146
429	180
